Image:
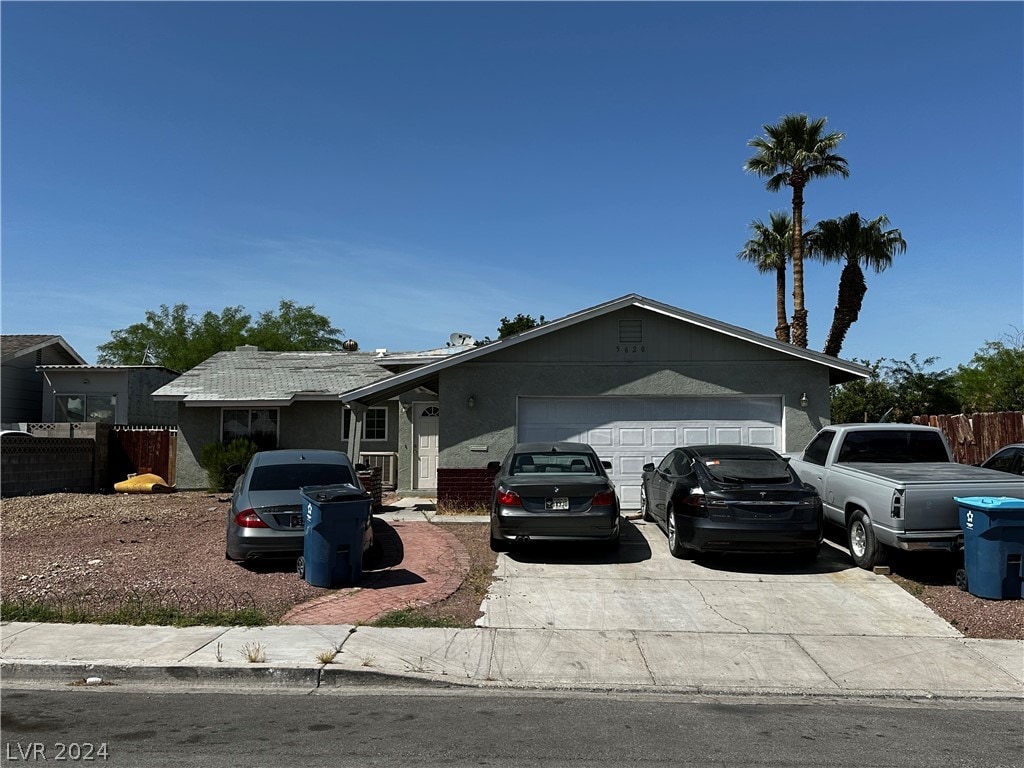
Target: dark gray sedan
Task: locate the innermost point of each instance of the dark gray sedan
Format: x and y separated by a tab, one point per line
265	518
552	492
731	498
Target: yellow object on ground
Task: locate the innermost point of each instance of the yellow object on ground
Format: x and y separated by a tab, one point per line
143	484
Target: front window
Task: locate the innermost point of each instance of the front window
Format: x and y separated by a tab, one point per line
82	408
375	424
257	424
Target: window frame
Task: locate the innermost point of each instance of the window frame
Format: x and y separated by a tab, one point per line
249	433
85	397
347	418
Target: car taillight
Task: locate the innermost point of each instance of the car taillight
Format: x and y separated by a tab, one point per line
695	504
604	499
248	518
509	498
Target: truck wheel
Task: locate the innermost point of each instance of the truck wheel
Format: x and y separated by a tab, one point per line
864	547
645	508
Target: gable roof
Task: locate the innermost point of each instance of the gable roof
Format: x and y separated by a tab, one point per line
18	345
839	370
251	377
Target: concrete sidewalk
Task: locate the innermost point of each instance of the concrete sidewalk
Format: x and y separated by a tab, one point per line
686	630
693	662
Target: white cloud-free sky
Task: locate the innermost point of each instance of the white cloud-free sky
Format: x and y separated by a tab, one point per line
414	169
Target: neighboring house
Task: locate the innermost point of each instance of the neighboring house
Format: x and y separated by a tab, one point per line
633	377
114	394
21	398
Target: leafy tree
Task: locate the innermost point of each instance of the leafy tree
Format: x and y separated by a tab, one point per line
994	379
858	244
897	390
518	324
770	249
178	340
792	153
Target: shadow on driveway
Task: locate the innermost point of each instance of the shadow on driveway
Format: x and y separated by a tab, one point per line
633	548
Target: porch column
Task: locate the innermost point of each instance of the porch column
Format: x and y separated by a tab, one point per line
355	430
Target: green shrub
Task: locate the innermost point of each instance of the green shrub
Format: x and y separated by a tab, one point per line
225	463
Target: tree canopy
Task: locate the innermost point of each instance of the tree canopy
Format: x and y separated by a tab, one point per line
517	324
179	340
898	390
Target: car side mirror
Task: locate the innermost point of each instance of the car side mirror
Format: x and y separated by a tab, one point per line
648	468
493	466
606	464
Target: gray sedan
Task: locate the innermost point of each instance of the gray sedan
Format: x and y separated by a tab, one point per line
265	518
552	492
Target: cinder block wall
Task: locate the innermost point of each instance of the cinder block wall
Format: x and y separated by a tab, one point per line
31	465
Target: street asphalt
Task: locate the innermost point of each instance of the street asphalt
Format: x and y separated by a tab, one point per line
636	620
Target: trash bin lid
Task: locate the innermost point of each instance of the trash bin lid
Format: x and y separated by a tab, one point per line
990	502
336	492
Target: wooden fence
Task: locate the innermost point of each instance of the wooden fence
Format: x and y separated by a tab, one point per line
976	437
143	450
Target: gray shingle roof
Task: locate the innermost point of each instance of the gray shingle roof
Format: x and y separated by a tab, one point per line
15	344
274	377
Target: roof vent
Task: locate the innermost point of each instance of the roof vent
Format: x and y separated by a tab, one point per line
247	348
382	352
350	345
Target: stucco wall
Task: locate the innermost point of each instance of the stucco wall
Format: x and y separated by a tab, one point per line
300	425
495	387
142	409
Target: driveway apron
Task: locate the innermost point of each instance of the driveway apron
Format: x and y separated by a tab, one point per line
643	588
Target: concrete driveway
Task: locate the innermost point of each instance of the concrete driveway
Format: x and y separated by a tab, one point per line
643	588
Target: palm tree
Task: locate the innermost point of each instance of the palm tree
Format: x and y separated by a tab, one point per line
792	153
770	249
860	244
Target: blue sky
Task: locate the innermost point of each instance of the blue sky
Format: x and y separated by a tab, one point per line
418	169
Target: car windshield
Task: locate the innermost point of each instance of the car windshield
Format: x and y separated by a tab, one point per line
532	463
286	477
746	469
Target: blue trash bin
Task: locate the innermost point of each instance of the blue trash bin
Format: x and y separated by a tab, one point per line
993	544
335	524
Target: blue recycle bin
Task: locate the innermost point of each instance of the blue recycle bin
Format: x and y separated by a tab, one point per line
993	545
335	517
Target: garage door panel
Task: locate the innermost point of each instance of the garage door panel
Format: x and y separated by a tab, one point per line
696	436
728	436
630	432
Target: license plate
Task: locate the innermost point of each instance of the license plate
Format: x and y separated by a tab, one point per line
556	504
296	521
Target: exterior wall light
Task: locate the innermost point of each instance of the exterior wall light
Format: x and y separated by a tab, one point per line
471	402
803	400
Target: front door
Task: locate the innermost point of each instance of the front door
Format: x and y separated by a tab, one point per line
425	429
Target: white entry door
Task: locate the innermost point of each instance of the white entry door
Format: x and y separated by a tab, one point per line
633	431
425	429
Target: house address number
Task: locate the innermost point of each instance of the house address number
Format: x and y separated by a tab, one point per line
626	348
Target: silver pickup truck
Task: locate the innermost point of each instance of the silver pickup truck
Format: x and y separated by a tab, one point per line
892	485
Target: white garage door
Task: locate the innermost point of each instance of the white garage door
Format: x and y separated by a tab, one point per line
632	431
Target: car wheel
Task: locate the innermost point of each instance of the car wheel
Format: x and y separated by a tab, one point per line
300	567
674	545
961	579
645	509
865	549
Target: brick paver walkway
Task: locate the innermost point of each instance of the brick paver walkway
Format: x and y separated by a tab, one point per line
421	563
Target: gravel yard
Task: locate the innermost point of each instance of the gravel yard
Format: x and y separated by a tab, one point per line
57	546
